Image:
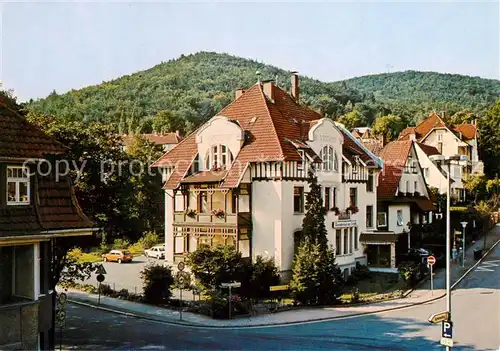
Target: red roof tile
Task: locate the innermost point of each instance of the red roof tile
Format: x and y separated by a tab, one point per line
159	139
20	139
405	133
468	131
394	155
269	127
428	124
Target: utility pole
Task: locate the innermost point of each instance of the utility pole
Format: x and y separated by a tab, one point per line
464	224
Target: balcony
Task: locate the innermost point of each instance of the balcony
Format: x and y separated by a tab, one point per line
19	325
230	219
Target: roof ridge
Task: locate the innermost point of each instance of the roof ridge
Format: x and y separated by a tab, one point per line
261	93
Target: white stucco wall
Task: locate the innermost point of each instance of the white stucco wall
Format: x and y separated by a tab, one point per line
435	178
169	228
392	217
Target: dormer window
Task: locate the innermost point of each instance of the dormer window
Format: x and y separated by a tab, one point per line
18	186
218	156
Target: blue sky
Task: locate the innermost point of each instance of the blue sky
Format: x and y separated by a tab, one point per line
68	45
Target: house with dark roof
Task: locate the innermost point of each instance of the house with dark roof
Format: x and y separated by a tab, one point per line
36	206
449	140
372	142
403	199
241	179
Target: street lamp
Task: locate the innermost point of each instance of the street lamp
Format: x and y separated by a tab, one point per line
448	161
464	224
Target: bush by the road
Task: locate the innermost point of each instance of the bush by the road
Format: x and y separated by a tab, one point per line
157	281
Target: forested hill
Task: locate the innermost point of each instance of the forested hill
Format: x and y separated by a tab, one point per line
192	88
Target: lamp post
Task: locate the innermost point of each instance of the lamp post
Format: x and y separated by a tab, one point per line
448	161
464	224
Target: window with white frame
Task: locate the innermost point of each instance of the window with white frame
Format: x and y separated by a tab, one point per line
218	156
382	219
18	186
327	157
300	164
399	215
335	162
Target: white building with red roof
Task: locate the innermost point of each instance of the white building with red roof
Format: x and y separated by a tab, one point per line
461	139
241	178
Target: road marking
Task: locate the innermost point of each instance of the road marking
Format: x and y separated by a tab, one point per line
486	265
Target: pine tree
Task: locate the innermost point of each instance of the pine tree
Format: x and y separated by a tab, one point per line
330	277
313	225
306	277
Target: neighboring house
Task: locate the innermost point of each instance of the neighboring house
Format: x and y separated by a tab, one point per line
434	175
241	179
449	140
166	141
373	143
402	199
35	208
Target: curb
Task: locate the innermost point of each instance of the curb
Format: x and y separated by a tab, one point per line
325	319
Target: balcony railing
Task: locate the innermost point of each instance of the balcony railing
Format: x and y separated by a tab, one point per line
209	218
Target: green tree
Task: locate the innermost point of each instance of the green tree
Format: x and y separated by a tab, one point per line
388	127
331	278
167	122
306	278
475	185
157	280
258	277
489	144
351	120
313	224
213	266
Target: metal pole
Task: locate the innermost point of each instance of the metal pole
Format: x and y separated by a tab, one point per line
180	309
229	302
60	338
463	248
448	239
99	296
432	283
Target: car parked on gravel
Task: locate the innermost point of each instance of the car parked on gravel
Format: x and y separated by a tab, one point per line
117	256
157	251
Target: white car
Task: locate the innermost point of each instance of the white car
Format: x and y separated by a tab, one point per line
157	251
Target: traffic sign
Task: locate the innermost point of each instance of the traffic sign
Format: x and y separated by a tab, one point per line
231	285
431	260
447	342
100	278
62	298
447	329
100	269
181	266
278	287
439	317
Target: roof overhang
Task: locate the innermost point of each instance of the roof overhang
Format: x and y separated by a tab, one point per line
45	236
378	238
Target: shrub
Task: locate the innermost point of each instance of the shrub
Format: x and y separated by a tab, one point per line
213	266
258	277
76	253
121	243
149	239
355	295
123	293
106	289
410	272
157	281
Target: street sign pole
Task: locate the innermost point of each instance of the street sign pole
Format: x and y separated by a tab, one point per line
432	284
180	310
229	301
464	224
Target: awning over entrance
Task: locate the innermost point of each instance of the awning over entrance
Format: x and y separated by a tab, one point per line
378	237
205	177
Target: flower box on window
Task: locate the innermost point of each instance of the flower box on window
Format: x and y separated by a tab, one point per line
191	213
219	213
352	209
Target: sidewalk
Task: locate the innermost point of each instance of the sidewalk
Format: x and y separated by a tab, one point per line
419	296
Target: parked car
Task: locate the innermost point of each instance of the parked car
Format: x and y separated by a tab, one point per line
117	256
157	251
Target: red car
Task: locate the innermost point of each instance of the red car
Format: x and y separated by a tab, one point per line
117	256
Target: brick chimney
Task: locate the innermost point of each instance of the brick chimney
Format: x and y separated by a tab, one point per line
239	92
268	88
294	91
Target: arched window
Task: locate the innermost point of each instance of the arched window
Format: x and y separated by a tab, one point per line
327	156
218	156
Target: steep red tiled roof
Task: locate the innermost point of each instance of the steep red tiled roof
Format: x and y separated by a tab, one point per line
429	150
394	155
269	127
159	139
234	175
20	139
431	122
468	131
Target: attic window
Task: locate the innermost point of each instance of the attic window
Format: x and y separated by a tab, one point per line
18	186
218	156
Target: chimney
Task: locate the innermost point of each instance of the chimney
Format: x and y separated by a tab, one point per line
294	92
239	92
268	87
177	133
443	114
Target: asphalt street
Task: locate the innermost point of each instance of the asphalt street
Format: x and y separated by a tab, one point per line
476	317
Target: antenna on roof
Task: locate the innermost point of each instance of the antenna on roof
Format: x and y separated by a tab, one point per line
258	76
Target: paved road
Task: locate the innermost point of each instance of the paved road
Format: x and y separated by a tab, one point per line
476	306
